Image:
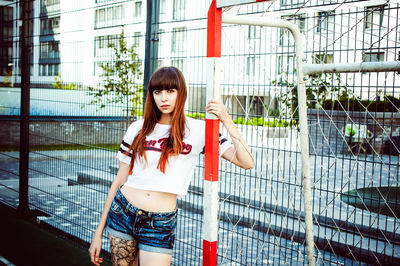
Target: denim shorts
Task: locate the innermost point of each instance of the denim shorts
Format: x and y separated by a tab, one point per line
154	231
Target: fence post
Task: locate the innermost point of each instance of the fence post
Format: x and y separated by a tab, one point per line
304	145
23	207
211	163
151	42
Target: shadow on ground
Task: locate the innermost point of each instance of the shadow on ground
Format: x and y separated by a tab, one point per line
25	242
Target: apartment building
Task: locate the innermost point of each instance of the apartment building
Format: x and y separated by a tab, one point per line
6	40
71	38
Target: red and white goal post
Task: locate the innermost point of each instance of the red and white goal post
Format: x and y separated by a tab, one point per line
211	164
214	29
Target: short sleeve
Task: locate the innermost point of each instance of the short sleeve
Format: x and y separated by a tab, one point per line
224	144
124	155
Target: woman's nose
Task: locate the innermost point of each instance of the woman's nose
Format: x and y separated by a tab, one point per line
163	95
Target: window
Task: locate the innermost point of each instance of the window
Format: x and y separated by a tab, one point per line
6	13
49	50
48	6
323	59
161	39
102	45
286	64
136	39
178	39
178	9
250	65
292	2
5	53
162	7
323	20
300	20
374	57
254	32
398	59
138	9
7	33
160	63
42	70
246	105
179	63
51	2
103	1
48	69
256	106
373	17
109	17
49	26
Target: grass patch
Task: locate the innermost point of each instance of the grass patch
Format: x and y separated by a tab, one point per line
260	121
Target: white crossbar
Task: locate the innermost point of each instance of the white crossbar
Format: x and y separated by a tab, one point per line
226	3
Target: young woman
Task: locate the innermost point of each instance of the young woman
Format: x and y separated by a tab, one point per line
157	158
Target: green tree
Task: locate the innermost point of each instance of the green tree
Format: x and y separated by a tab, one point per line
60	84
319	88
119	76
8	80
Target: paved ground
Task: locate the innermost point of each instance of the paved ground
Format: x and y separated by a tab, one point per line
274	181
24	242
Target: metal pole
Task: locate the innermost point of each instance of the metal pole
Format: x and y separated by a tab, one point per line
354	67
304	145
305	158
25	41
211	157
151	43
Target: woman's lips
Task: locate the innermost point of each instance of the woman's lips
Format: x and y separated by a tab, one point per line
165	106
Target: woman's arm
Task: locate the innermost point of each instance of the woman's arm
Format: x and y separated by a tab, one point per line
240	153
119	180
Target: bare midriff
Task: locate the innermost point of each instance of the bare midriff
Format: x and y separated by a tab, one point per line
152	201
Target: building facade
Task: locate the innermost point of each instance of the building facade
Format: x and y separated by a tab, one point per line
70	39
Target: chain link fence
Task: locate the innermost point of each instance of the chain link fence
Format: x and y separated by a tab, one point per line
353	123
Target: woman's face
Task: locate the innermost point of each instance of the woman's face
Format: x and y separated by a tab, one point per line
165	100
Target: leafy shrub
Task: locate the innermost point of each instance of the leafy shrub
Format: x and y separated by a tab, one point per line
196	115
274	112
277	123
138	112
260	121
59	84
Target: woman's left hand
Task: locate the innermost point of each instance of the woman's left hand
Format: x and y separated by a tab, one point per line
216	107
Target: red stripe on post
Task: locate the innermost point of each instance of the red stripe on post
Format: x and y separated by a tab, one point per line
209	253
214	28
211	159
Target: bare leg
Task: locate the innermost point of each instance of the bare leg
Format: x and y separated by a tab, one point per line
123	252
153	258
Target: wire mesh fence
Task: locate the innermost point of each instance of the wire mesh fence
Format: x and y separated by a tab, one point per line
353	123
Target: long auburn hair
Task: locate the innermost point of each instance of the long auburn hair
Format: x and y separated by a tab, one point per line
164	78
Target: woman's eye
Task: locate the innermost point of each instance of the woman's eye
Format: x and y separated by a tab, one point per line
156	92
171	90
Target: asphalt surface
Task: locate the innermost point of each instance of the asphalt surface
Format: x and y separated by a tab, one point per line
75	209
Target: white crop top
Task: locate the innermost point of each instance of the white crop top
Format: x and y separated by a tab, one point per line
179	169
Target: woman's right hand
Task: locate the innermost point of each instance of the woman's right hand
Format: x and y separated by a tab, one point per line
95	248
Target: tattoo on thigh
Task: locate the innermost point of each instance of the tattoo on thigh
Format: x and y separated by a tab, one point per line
123	252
